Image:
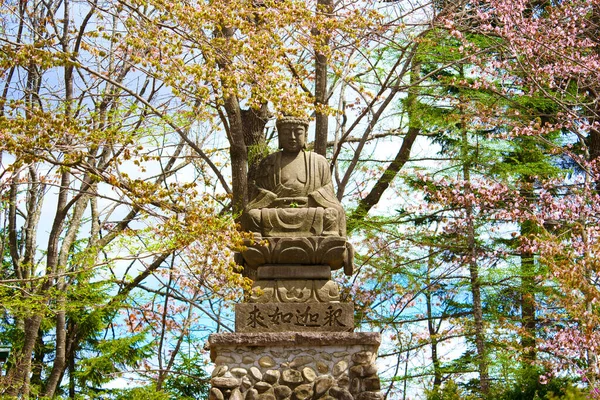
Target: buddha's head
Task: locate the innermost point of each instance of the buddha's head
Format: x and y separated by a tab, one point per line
292	133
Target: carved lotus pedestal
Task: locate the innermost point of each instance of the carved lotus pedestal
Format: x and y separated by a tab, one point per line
332	251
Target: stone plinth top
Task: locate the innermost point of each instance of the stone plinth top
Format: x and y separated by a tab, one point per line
291	339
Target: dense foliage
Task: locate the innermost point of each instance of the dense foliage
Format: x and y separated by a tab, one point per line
464	142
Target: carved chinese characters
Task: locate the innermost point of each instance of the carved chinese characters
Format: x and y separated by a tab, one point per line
281	317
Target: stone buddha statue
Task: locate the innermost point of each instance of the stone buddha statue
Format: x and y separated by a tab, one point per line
295	194
298	224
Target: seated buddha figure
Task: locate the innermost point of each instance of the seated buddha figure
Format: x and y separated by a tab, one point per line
295	195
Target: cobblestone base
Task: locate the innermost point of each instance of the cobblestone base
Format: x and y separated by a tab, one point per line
294	366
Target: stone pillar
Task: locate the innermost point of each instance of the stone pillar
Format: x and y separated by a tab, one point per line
294	340
295	366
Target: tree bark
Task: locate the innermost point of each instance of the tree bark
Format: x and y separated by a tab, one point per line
594	137
238	154
53	268
479	332
59	365
528	305
19	376
433	330
324	9
253	125
38	364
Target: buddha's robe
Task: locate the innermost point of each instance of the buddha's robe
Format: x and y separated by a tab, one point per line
301	207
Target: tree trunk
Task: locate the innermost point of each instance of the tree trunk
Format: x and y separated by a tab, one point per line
324	9
528	288
433	330
60	359
594	138
479	333
59	363
253	125
238	154
237	148
37	366
481	360
71	368
594	92
18	378
53	267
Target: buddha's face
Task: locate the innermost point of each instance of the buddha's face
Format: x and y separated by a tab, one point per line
292	137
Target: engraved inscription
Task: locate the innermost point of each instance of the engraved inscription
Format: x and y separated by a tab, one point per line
283	317
255	318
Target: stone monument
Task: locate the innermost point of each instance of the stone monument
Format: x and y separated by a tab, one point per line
294	339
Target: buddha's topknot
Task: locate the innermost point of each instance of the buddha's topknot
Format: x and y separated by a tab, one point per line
288	119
